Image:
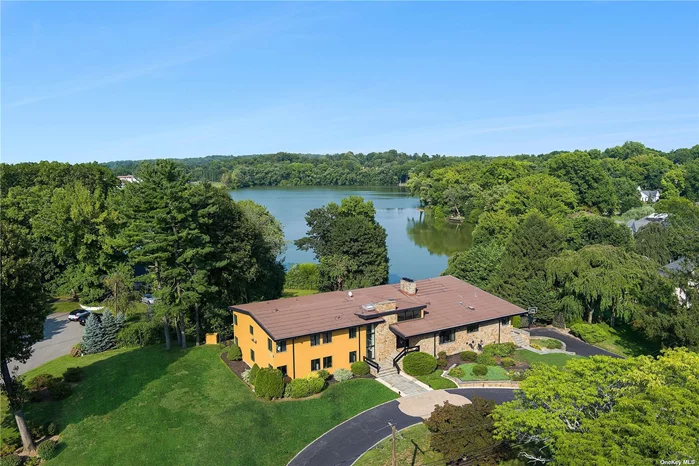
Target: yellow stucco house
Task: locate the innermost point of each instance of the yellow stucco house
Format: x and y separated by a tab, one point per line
379	325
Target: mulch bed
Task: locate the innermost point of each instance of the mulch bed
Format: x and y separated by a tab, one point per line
238	367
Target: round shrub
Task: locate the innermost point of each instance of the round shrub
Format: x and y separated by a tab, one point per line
517	321
269	383
73	374
77	350
456	372
306	386
253	373
234	353
323	374
51	429
287	390
507	362
485	359
342	374
37	430
479	370
47	449
246	376
442	359
10	460
360	368
41	381
419	363
60	390
468	356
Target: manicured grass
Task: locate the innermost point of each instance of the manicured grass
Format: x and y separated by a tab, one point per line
412	448
552	359
293	293
149	406
436	381
546	343
625	341
64	306
494	373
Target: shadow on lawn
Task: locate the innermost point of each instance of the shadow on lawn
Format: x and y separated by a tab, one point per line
106	385
633	342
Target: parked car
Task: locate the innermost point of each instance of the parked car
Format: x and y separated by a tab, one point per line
77	314
83	320
148	299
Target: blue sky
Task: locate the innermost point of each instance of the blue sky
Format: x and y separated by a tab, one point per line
126	80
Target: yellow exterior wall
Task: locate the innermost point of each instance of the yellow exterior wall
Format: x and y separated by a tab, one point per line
299	352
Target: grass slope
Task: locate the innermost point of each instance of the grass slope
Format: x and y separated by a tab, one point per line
436	381
148	406
625	341
552	359
412	448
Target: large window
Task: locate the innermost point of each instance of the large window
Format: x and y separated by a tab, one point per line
327	337
282	369
269	344
315	339
370	341
327	362
281	346
315	364
473	328
353	332
505	321
447	336
252	355
353	357
409	314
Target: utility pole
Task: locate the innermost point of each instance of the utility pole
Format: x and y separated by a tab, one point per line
393	448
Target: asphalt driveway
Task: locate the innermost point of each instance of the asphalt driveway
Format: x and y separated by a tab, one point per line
342	445
573	344
59	337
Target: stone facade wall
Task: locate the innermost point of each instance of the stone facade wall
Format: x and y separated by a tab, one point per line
385	345
487	333
384	306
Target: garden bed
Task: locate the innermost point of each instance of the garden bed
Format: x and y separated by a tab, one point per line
494	373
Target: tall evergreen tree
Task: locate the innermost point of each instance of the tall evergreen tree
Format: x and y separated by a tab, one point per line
93	338
522	277
109	330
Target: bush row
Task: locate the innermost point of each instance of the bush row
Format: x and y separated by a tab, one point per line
590	333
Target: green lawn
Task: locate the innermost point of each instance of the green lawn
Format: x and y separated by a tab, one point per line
494	373
148	406
412	448
625	341
64	306
293	293
436	381
552	359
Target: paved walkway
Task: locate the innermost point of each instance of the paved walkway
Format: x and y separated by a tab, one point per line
405	386
342	445
573	344
59	337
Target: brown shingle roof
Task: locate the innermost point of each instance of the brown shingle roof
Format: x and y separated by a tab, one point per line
447	300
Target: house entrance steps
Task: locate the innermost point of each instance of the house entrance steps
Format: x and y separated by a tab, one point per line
403	385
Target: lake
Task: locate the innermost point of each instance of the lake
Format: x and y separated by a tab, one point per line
417	247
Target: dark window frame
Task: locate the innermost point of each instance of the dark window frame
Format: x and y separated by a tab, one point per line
352	357
252	330
281	346
315	363
235	319
327	337
269	344
283	371
353	332
315	339
327	362
447	336
473	328
410	314
252	355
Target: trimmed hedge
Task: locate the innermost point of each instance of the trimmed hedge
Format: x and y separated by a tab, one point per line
590	333
479	370
485	359
306	386
419	363
342	375
500	349
253	373
47	449
323	374
517	321
234	353
269	383
507	362
360	368
143	333
468	356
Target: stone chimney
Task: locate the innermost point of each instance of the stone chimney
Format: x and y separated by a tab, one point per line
408	286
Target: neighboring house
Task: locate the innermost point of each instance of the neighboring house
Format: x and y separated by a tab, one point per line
649	195
127	179
332	330
684	266
636	225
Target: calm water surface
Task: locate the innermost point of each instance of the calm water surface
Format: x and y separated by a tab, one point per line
417	247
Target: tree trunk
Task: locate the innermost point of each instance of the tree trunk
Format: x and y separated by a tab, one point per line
177	333
198	324
184	338
27	441
589	317
166	328
612	320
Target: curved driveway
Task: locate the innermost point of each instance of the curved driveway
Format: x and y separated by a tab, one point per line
59	337
573	344
342	445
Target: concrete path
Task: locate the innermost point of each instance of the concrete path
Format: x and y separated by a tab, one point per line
573	344
403	385
59	337
343	444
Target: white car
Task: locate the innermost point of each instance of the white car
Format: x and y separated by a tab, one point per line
148	299
75	315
